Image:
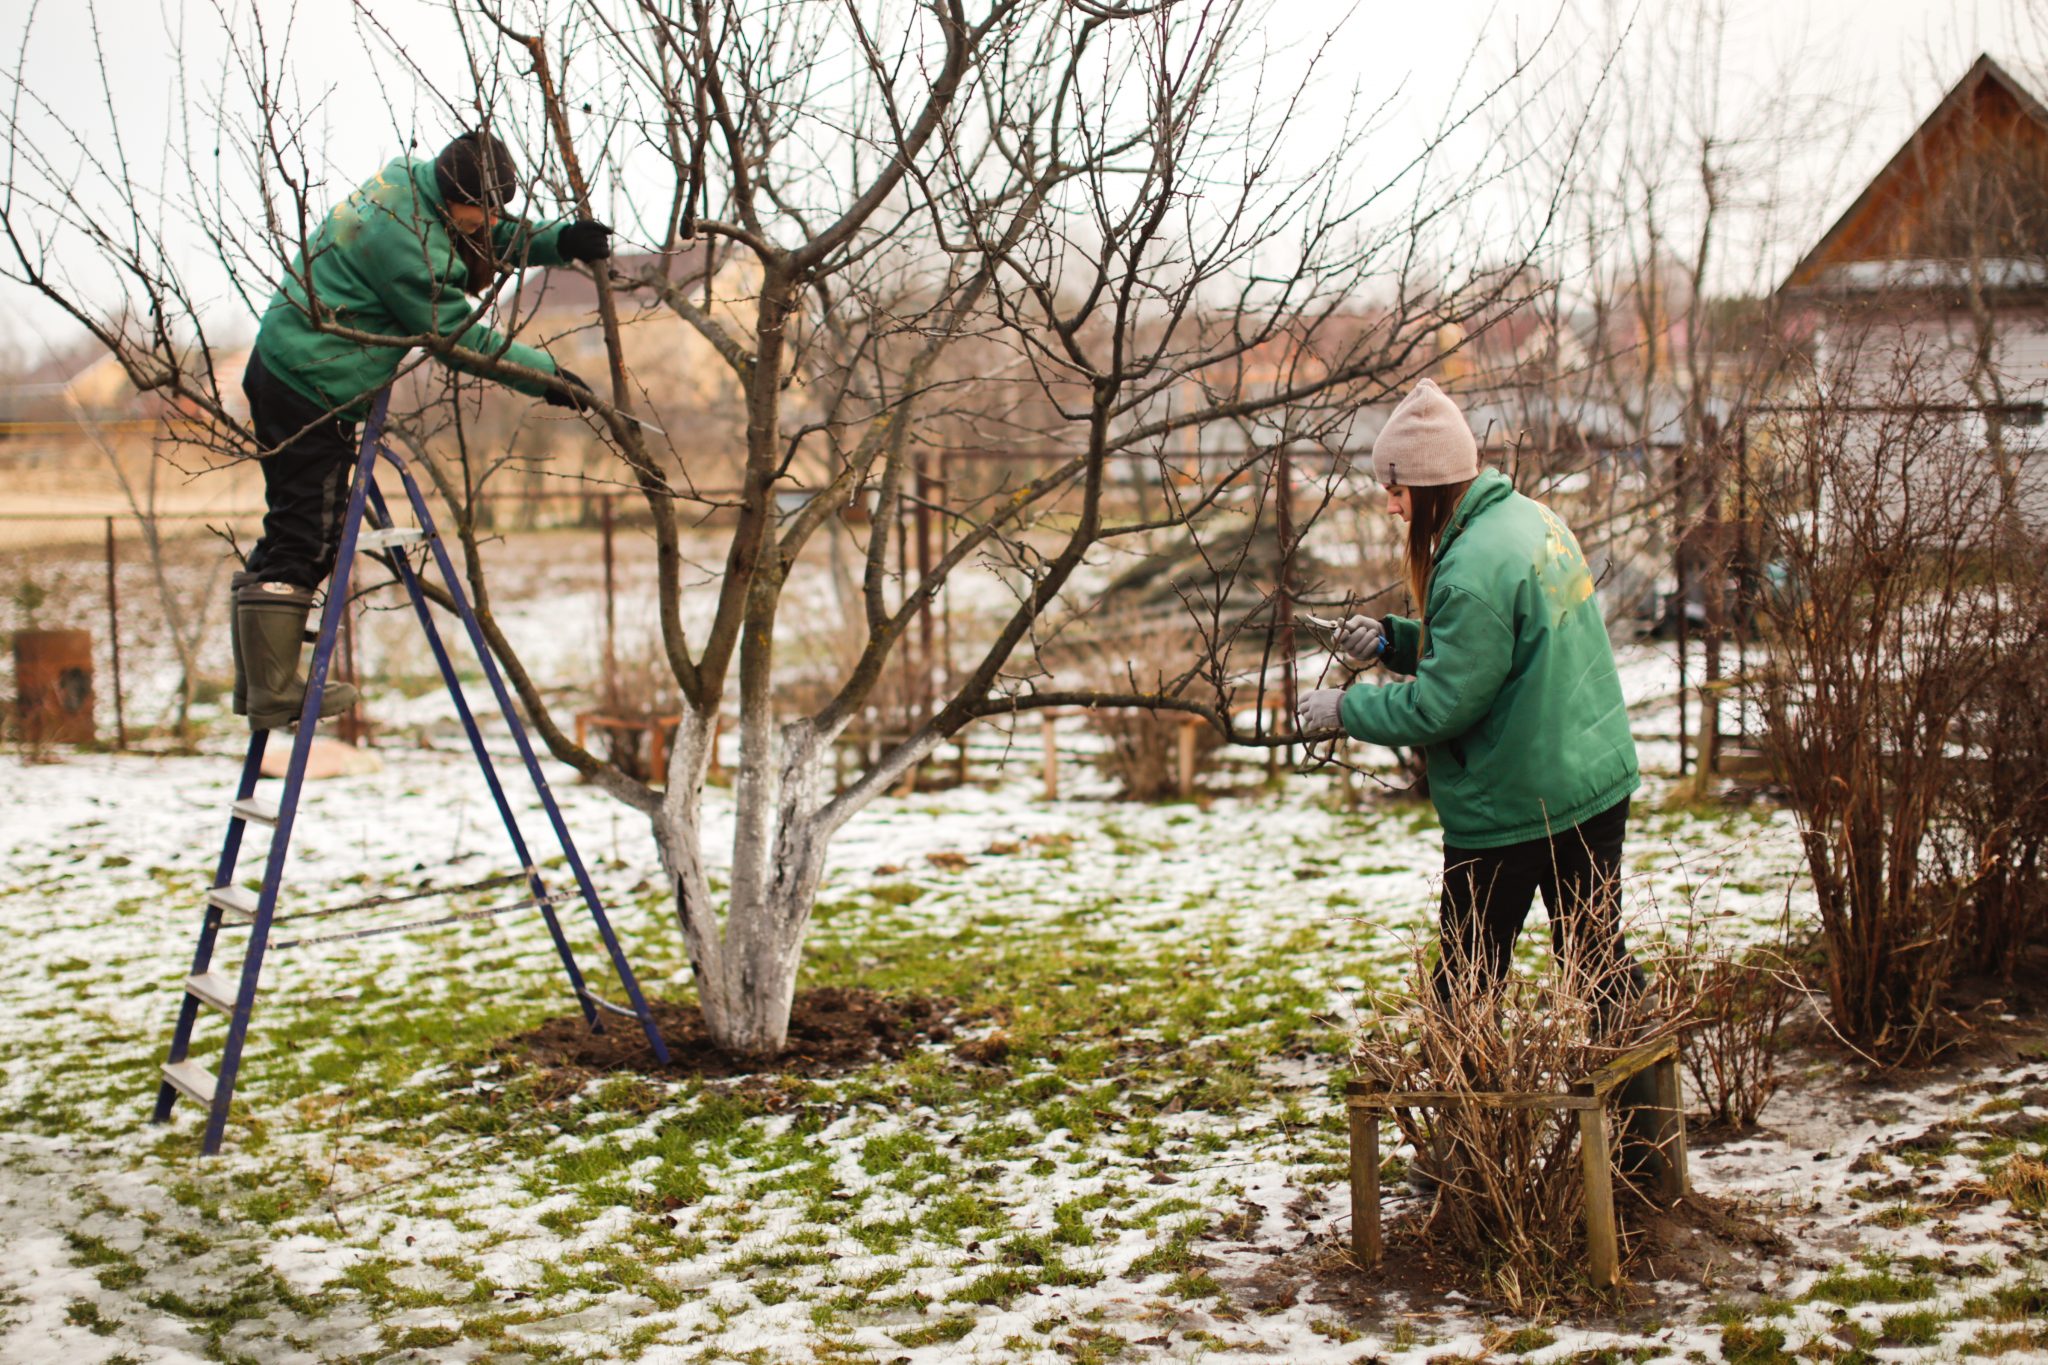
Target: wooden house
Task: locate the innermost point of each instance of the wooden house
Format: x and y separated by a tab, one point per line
1942	260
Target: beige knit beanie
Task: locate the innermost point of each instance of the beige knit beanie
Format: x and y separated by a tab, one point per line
1426	442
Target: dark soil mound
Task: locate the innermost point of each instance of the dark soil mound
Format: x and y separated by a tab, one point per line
831	1030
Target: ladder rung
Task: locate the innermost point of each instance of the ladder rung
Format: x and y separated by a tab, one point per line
256	810
236	905
191	1080
607	1006
385	539
213	989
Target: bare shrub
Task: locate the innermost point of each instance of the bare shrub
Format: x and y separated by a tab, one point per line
640	687
1143	750
1737	1003
2001	805
1888	520
1510	1188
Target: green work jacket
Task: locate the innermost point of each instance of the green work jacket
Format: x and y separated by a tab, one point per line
1515	699
384	261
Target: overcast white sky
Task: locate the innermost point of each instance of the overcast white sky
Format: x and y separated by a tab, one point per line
1883	62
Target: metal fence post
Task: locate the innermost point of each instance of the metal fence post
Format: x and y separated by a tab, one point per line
114	640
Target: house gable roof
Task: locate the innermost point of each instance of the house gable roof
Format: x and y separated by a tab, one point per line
1877	226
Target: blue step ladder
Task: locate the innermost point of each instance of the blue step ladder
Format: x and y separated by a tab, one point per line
229	906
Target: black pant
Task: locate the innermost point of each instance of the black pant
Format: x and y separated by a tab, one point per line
1487	892
308	455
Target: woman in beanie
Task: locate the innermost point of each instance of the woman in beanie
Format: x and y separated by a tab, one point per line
1514	701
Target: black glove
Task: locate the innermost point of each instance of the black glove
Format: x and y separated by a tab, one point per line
578	397
588	240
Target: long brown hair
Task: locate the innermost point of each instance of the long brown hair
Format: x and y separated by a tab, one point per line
1432	508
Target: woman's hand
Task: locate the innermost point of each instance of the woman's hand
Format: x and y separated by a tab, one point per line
1361	639
1317	711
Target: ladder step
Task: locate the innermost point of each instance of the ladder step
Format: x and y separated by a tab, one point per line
213	989
190	1079
368	539
256	810
236	905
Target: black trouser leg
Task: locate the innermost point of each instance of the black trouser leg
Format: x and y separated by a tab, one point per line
1487	893
308	456
1582	893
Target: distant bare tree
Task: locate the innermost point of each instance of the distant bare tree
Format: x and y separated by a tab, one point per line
1663	319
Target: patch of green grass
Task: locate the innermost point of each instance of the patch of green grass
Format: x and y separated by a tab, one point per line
215	1316
85	1313
935	1333
1526	1340
116	1270
1175	1256
372	1278
1745	1343
422	1338
2022	1301
1848	1288
996	1288
950	1217
1918	1327
1898	1216
1068	1222
1338	1332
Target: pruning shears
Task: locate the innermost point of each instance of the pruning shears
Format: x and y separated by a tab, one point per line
1323	631
644	425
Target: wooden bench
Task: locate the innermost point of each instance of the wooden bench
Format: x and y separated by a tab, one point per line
1588	1098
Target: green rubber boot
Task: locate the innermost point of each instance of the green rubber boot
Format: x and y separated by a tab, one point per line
236	583
270	620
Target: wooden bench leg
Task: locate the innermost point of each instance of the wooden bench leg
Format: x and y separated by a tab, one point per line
1365	1187
1673	1179
1598	1165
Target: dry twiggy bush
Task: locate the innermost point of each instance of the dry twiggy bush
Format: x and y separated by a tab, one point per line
1738	1002
1509	1199
2001	803
638	688
1909	616
1143	753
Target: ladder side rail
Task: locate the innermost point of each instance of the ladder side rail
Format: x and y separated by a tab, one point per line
295	776
620	965
453	683
209	924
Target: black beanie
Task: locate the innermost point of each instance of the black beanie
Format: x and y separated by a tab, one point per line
476	168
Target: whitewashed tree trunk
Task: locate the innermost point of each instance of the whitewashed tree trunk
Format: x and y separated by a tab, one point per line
746	960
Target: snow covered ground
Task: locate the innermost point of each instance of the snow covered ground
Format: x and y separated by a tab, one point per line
1146	1133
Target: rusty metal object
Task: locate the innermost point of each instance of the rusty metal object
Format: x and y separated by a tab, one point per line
53	686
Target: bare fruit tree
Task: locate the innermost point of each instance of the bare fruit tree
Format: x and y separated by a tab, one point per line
1098	236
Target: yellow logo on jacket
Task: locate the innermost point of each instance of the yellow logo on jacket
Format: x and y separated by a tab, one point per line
1561	567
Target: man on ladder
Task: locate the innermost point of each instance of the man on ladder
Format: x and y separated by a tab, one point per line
396	259
385	272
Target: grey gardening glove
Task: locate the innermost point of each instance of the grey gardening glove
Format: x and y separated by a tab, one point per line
1315	712
1361	640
